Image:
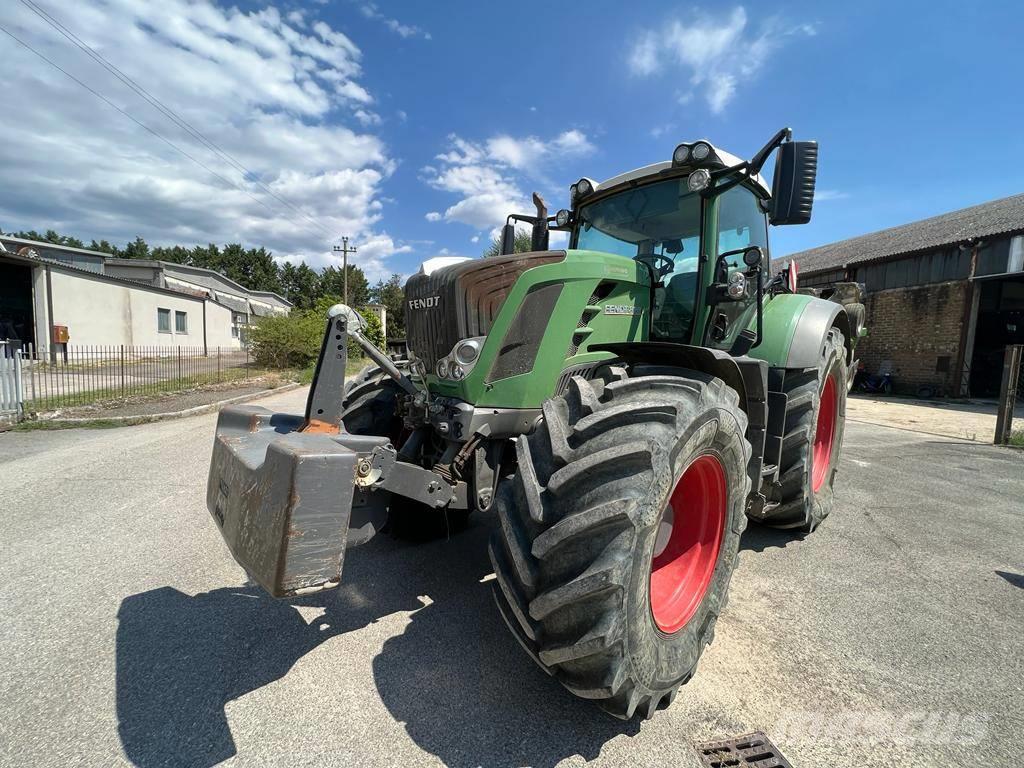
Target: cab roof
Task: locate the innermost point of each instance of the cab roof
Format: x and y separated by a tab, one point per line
727	158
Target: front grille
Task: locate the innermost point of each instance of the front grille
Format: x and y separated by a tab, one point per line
461	301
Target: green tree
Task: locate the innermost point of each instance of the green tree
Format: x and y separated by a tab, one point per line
206	256
104	246
175	254
254	268
391	295
137	249
293	340
332	282
300	284
523	244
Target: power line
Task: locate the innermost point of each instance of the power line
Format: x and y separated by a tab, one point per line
142	125
163	108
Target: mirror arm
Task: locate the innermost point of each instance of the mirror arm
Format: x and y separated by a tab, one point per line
761	157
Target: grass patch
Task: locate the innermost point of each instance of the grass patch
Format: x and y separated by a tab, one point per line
111	395
38	426
1017	438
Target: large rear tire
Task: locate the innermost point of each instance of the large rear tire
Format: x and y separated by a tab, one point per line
619	533
815	421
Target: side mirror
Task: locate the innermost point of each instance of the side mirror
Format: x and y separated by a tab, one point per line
796	170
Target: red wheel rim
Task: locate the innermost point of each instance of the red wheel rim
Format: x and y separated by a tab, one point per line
825	433
686	546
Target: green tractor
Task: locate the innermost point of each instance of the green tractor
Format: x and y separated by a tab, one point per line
623	406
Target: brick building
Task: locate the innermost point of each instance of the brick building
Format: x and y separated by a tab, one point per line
944	296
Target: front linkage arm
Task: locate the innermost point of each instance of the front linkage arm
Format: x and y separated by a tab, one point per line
325	404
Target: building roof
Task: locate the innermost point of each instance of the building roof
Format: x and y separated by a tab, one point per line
997	217
33	260
54	246
210	275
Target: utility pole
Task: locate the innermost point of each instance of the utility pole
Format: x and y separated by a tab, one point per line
345	250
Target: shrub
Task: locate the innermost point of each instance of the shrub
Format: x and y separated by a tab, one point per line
293	341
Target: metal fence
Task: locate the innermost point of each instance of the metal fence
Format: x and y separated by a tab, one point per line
11	397
1011	398
73	375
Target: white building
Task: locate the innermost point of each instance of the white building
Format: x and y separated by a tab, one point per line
45	288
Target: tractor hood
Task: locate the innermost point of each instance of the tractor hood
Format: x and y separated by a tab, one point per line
449	302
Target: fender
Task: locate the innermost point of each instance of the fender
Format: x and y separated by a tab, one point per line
716	362
795	326
748	376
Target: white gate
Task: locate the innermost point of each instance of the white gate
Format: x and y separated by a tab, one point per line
11	394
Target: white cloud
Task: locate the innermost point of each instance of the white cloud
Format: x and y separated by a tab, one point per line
527	153
643	59
824	195
371	11
262	85
490	177
719	53
367	117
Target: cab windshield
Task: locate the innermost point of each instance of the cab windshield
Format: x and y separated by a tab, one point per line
658	224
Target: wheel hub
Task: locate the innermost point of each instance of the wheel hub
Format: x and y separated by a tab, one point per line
687	543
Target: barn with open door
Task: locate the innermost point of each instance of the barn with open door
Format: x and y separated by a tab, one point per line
944	296
17	316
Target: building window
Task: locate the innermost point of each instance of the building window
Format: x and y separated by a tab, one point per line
181	322
163	320
234	331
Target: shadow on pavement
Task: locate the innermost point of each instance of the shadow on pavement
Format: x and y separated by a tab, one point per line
456	677
1013	578
758	538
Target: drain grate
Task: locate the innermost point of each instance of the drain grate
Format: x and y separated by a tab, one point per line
751	750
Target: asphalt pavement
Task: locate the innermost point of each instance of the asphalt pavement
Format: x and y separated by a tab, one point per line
890	637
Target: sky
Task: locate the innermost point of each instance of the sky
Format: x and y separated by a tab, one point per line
415	128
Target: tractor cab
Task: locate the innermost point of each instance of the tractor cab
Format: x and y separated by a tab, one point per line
692	221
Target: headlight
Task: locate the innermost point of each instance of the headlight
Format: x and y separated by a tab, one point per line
681	154
442	368
457	372
467	351
737	286
562	218
699	180
584	187
700	151
573	192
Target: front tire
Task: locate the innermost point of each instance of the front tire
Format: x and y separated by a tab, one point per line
619	533
370	404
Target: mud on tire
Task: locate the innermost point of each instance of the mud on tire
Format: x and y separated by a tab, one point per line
573	553
800	505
